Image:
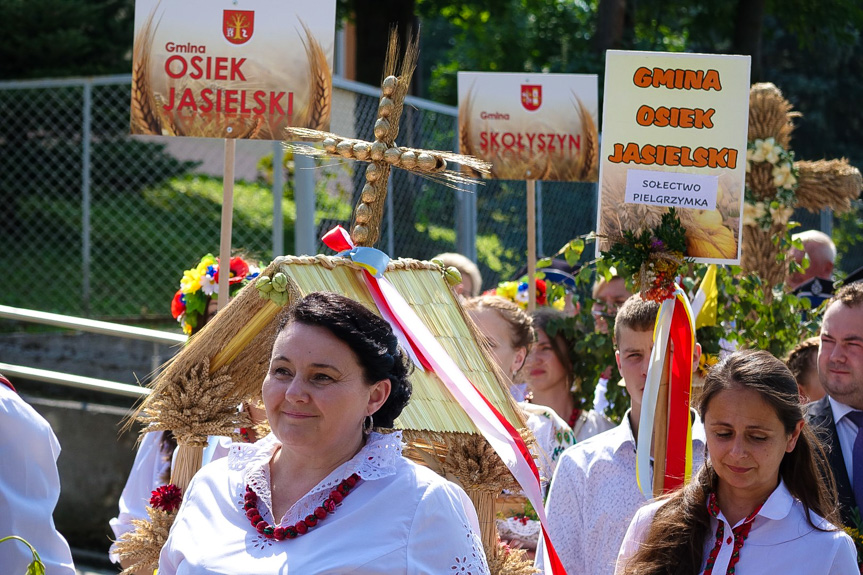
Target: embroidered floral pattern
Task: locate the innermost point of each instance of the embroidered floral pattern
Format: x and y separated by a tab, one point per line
474	563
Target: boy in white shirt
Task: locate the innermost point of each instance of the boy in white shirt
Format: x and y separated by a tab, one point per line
594	493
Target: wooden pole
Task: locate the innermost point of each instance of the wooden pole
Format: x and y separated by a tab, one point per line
660	426
227	223
531	245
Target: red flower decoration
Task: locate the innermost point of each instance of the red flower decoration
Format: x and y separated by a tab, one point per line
239	269
178	306
540	292
167	498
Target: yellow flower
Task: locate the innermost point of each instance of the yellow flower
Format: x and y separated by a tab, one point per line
508	290
206	261
191	281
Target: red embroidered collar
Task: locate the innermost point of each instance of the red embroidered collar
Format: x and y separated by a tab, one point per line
741	532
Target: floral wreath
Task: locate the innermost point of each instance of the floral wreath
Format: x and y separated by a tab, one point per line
201	283
517	291
766	212
653	257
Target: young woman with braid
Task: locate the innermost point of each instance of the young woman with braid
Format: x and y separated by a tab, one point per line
759	504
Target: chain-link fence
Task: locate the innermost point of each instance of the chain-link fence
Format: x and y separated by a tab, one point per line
96	222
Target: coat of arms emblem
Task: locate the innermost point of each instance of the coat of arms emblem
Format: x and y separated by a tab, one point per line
531	96
238	25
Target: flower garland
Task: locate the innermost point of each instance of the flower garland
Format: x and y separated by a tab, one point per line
765	212
201	283
327	507
517	292
652	257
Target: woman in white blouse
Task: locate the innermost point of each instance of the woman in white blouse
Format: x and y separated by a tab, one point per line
759	504
324	493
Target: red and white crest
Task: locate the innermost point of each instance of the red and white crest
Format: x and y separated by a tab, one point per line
238	25
531	96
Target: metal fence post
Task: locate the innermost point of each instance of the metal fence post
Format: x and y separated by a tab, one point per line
278	192
86	125
465	214
304	194
539	249
827	221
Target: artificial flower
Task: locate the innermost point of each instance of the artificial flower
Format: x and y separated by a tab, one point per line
191	281
752	213
201	282
178	304
783	176
167	498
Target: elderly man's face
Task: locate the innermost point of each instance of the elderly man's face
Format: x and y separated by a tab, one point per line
819	266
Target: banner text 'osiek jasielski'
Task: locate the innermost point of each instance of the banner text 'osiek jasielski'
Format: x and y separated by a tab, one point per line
232	69
674	132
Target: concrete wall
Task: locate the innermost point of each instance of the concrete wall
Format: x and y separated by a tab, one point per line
96	458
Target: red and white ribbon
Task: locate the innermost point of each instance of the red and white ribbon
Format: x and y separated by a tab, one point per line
501	435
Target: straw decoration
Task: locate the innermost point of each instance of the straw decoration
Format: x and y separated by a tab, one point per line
383	154
197	406
505	560
830	184
770	114
822	184
143	544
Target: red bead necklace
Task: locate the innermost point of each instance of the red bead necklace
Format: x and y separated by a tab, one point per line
328	506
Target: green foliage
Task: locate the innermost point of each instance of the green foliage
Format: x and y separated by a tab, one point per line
848	236
127	165
591	350
55	38
633	250
509	36
755	315
35	567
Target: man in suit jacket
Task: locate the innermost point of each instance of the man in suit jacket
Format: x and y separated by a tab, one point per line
840	368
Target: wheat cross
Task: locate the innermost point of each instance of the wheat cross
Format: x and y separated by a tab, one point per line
821	184
383	154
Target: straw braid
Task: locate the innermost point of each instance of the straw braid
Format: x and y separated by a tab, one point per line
143	544
196	406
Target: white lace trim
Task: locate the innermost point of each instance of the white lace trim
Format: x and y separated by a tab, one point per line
376	460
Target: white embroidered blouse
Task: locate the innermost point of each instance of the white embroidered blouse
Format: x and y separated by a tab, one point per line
781	540
401	518
149	471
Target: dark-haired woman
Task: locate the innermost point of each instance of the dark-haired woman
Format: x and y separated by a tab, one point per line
550	378
759	505
325	493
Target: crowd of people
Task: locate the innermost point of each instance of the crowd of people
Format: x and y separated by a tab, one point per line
320	485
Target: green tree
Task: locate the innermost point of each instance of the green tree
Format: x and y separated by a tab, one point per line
57	38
